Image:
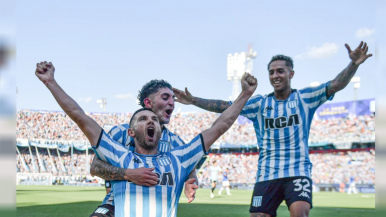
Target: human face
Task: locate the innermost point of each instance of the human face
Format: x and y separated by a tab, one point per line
280	75
147	130
163	104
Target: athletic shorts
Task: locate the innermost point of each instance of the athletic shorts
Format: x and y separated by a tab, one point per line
225	183
215	181
104	210
268	195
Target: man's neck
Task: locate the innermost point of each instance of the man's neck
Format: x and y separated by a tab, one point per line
282	95
143	151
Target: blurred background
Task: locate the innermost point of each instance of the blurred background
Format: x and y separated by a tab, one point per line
104	53
7	107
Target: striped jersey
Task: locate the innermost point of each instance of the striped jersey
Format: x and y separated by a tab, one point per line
282	129
119	133
172	168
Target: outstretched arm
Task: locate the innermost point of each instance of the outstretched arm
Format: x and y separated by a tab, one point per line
45	72
358	56
228	117
141	176
212	105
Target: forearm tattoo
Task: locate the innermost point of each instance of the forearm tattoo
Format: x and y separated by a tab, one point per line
217	106
342	79
106	171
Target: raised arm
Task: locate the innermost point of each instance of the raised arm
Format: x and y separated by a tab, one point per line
228	117
212	105
45	72
358	56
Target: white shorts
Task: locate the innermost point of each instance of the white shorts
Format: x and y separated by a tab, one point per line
225	183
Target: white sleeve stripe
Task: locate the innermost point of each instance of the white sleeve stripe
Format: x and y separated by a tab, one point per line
109	154
179	152
193	159
113	144
100	154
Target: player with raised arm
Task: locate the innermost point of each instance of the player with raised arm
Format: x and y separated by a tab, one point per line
282	122
158	96
172	168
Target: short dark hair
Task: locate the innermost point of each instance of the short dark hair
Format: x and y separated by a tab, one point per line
151	87
136	112
288	60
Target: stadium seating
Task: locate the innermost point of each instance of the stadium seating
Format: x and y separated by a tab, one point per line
51	134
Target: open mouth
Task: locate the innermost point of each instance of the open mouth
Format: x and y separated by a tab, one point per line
169	111
276	82
150	132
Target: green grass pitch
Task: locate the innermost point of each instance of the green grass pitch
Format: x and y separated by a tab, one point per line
63	201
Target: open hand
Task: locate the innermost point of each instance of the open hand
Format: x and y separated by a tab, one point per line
248	83
183	97
190	189
45	72
142	176
359	55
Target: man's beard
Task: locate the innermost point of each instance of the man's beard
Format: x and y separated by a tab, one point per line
141	138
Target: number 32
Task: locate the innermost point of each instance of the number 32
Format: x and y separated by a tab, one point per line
299	186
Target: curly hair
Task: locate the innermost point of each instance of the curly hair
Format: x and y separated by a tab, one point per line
151	87
288	60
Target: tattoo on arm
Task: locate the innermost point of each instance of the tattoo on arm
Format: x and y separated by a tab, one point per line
106	171
217	106
341	80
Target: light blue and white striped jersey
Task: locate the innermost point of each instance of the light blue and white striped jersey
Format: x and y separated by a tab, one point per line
119	133
282	130
172	168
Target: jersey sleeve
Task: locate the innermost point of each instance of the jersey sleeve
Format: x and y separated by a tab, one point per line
251	108
315	96
190	154
110	151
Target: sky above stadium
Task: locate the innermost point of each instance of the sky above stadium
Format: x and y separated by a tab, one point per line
104	49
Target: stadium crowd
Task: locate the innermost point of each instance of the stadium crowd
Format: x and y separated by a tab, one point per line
58	126
328	168
350	129
57	166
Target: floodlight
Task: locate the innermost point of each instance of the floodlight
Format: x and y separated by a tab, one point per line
355	79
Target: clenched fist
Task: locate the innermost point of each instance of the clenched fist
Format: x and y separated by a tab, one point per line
45	72
248	83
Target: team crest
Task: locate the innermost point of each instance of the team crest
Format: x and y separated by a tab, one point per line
163	146
292	104
164	160
256	202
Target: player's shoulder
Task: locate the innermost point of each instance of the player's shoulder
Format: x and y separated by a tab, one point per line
119	129
258	97
307	90
173	138
119	134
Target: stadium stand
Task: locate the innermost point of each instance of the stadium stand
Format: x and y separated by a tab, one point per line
50	142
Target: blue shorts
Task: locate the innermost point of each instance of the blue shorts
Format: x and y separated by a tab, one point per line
268	195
